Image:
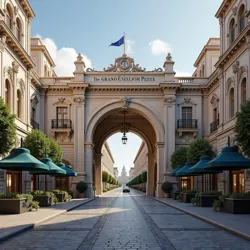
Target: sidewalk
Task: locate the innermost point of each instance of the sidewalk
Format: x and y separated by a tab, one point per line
234	223
13	224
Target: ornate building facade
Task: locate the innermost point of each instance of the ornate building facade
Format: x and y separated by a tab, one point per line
167	112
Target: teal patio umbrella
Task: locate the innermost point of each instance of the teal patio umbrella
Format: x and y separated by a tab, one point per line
22	160
229	159
67	169
183	170
200	169
53	169
173	173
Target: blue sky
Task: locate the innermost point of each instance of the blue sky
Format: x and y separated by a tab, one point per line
153	28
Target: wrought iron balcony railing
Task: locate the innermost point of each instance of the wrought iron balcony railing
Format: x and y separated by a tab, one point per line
34	124
61	123
214	125
187	123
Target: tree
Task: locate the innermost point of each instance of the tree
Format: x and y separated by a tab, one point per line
179	157
37	142
55	151
199	147
105	176
242	128
7	129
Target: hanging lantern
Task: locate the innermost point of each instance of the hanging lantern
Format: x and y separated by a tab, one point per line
124	139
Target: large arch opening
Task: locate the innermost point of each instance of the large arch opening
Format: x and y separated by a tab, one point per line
115	122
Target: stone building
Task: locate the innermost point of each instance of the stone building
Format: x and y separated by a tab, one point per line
123	178
131	174
167	112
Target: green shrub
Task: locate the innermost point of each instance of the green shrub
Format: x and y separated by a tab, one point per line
167	187
105	176
35	204
81	187
104	190
144	177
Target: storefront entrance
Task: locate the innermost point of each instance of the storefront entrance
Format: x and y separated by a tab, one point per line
13	181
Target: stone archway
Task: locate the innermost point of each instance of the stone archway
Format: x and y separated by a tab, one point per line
106	124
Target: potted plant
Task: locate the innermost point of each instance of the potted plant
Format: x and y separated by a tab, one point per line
12	203
167	188
238	203
206	199
62	196
45	199
94	189
188	195
176	193
81	187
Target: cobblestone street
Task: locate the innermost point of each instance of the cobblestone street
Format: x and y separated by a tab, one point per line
125	221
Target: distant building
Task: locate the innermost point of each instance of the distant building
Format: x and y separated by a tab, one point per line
124	177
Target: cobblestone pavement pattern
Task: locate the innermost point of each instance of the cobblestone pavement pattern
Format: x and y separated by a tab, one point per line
125	221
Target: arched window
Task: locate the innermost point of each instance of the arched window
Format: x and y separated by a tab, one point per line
9	16
232	31
231	103
7	92
242	20
18	30
244	91
19	104
203	70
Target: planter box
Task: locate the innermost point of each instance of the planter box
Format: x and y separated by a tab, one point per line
236	206
207	200
14	206
71	194
176	194
187	197
44	200
60	197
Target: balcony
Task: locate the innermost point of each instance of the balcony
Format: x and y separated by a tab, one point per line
62	129
213	126
34	124
187	126
61	123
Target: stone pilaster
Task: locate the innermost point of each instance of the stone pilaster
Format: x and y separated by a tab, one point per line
98	173
222	112
248	48
2	49
88	164
160	152
79	136
151	168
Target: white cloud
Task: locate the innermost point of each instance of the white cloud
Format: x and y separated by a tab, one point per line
182	74
64	58
129	45
159	47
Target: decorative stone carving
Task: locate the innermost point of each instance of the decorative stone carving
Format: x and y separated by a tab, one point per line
2	42
34	101
187	100
157	70
124	64
236	66
214	101
62	101
234	10
125	102
15	67
170	100
8	73
16	9
79	100
242	71
79	57
61	136
20	84
230	84
91	70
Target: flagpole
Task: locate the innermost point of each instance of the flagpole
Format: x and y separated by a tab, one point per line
124	45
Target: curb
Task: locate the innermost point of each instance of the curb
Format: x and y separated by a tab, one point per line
31	226
242	235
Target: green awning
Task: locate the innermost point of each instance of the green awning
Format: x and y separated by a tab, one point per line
229	159
68	170
199	168
183	170
175	170
53	168
22	160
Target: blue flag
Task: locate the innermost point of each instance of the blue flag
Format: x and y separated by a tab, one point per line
118	43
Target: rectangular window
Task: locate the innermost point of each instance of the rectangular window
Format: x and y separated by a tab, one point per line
187	115
242	23
13	180
238	182
62	116
215	114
